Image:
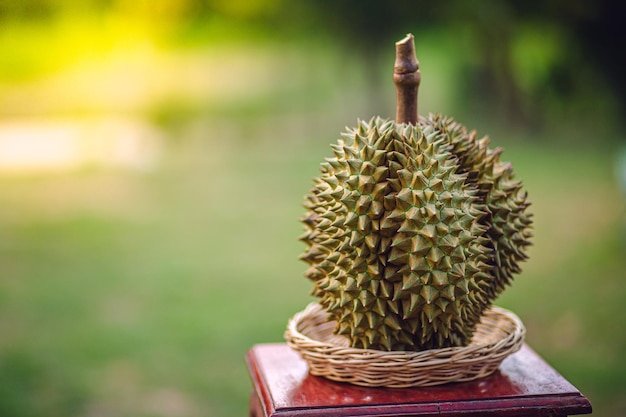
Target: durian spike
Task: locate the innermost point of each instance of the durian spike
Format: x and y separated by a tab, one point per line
407	77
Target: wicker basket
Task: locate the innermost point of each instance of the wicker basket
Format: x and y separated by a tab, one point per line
499	334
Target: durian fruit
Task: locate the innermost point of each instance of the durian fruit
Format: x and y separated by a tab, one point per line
413	228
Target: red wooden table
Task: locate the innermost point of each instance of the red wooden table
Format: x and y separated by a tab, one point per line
523	386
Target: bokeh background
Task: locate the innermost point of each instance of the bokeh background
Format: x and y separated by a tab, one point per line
154	156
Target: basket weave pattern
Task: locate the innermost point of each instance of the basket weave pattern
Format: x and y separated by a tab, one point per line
499	334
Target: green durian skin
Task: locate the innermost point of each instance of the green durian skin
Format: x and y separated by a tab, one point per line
509	225
401	239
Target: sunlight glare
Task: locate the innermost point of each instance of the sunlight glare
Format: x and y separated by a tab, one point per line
53	146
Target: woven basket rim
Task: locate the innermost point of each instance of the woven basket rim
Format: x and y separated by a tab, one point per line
371	367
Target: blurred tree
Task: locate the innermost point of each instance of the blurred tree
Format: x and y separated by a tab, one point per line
529	55
532	62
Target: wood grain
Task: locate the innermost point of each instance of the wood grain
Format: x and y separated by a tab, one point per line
523	386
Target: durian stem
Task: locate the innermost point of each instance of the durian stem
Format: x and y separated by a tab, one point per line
406	76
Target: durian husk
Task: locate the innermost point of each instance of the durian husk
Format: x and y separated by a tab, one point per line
412	231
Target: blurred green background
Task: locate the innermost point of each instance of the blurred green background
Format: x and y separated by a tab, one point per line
154	156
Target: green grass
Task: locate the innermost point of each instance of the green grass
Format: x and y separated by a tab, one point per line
105	308
138	294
